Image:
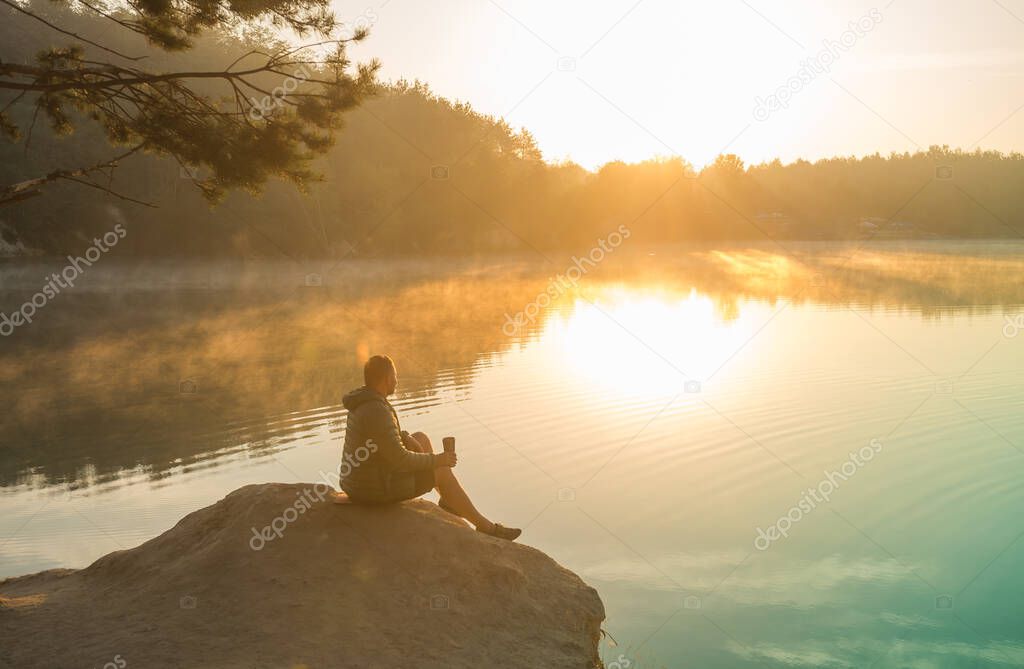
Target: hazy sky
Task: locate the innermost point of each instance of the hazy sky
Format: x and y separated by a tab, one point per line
598	81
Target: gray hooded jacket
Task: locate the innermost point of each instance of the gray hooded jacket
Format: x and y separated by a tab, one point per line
374	458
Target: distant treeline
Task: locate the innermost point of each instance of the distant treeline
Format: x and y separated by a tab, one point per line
414	173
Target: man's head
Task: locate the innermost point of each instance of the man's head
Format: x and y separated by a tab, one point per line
379	373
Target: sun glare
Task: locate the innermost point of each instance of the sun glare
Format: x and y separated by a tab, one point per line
644	343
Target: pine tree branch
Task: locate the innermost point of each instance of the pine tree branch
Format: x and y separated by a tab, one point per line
24	190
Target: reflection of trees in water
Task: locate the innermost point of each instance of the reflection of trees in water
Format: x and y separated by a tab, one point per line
928	279
171	379
166	379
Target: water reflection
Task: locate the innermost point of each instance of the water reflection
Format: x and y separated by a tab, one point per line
157	389
157	369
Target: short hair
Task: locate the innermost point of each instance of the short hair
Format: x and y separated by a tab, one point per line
376	368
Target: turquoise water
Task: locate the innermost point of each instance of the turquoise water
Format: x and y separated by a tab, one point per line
642	429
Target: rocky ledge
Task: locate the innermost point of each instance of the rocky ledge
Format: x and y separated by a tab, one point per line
278	576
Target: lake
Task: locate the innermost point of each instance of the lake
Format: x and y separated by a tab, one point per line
799	456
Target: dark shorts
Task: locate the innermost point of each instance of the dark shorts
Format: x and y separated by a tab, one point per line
410	485
401	486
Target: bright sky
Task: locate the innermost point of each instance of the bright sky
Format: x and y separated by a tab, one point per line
599	81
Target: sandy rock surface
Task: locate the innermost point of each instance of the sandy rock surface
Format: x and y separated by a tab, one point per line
334	586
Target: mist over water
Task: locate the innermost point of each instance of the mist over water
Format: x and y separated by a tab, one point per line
642	427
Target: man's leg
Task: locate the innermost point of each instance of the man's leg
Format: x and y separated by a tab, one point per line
455	497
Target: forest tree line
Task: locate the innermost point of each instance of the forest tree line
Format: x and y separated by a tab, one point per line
415	173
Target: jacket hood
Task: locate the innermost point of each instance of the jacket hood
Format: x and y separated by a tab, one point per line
360	396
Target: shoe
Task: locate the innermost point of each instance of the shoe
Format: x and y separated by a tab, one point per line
502	532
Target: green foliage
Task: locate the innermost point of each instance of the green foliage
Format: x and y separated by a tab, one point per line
210	117
173	24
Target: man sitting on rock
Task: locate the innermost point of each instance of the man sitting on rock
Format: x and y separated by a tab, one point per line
383	464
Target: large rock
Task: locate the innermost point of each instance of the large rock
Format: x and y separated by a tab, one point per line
334	586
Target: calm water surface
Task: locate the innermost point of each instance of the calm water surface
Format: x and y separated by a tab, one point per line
642	427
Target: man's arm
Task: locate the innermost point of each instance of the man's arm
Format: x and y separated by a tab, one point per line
390	447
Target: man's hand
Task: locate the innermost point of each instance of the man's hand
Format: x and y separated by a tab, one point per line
445	460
